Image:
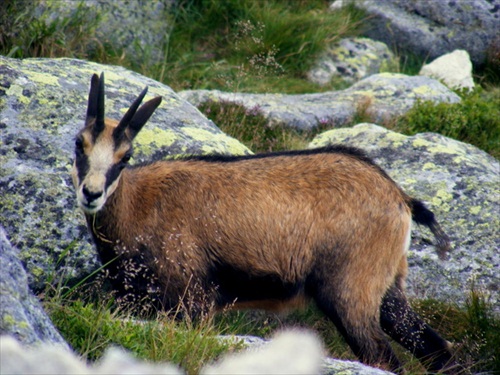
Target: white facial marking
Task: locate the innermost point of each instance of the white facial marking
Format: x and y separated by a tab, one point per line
100	162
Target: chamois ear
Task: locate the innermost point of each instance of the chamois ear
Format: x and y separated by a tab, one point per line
142	116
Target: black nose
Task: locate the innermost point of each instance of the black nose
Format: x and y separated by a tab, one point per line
90	196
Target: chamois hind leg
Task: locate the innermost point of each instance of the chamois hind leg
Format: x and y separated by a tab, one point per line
400	322
357	322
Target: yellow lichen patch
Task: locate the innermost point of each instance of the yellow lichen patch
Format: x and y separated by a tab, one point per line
449	148
424	90
232	145
419	142
199	134
46	79
475	210
411	181
441	199
429	166
17	91
397	139
157	137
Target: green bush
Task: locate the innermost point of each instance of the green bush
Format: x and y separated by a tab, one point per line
475	120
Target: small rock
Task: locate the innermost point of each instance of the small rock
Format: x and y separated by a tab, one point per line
352	59
293	352
453	69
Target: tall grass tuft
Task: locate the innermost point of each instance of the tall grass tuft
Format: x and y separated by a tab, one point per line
472	328
24	34
251	128
245	39
91	325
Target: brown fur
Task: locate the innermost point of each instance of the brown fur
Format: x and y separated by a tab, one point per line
263	232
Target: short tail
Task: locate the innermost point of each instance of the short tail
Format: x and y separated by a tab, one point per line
422	215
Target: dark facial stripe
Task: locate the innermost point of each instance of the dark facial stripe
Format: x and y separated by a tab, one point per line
82	166
112	174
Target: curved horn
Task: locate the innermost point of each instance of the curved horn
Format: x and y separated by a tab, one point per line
99	122
92	102
124	122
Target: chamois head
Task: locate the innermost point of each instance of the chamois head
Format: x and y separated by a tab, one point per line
103	147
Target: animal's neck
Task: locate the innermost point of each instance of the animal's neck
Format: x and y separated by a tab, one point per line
106	226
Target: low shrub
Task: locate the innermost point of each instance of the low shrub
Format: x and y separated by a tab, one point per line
475	120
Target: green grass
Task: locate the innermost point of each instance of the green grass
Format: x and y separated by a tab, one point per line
251	128
23	34
475	120
247	44
90	321
92	324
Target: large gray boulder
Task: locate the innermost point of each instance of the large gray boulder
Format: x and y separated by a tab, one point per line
382	96
432	28
21	314
460	183
42	106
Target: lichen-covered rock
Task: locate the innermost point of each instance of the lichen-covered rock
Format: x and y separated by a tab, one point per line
352	59
21	314
460	183
433	28
382	96
453	69
42	107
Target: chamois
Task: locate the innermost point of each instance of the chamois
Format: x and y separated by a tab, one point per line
263	231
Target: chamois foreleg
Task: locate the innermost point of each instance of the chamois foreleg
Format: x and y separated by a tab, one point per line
400	322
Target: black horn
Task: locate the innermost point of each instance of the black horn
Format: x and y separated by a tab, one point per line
95	108
99	122
92	103
124	122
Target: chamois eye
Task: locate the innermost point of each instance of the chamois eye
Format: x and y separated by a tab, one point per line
126	158
79	145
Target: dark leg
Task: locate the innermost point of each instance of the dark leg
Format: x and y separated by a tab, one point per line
361	330
400	322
